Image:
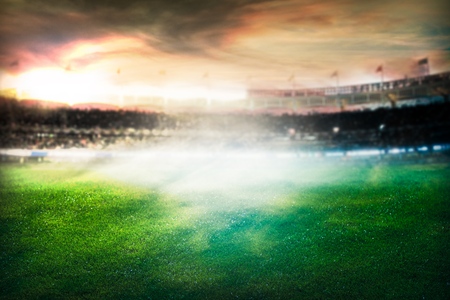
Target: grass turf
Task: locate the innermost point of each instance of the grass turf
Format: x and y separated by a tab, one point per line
376	232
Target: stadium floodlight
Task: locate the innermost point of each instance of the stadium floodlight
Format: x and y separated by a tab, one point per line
423	149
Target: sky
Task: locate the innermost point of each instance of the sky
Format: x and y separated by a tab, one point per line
191	47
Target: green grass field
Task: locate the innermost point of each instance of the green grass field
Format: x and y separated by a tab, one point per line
360	232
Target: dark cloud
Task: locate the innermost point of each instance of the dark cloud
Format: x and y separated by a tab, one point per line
177	26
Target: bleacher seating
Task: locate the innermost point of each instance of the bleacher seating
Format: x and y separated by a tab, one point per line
25	127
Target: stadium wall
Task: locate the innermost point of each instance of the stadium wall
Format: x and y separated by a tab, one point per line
320	100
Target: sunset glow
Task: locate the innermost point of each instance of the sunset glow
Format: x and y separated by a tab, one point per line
70	87
62	86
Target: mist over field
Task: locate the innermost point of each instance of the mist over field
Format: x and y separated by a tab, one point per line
231	181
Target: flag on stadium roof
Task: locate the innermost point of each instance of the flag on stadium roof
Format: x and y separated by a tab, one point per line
335	74
423	61
379	69
118	71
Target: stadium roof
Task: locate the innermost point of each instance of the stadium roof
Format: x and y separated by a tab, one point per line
201	46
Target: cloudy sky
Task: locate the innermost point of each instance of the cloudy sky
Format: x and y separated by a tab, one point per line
226	43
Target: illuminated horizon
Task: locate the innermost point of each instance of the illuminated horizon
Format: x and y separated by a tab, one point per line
66	85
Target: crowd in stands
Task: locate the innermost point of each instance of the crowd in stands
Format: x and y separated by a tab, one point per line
24	127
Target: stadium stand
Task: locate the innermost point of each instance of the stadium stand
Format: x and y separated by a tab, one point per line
409	122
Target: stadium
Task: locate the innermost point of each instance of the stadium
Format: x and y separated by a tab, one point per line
119	182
